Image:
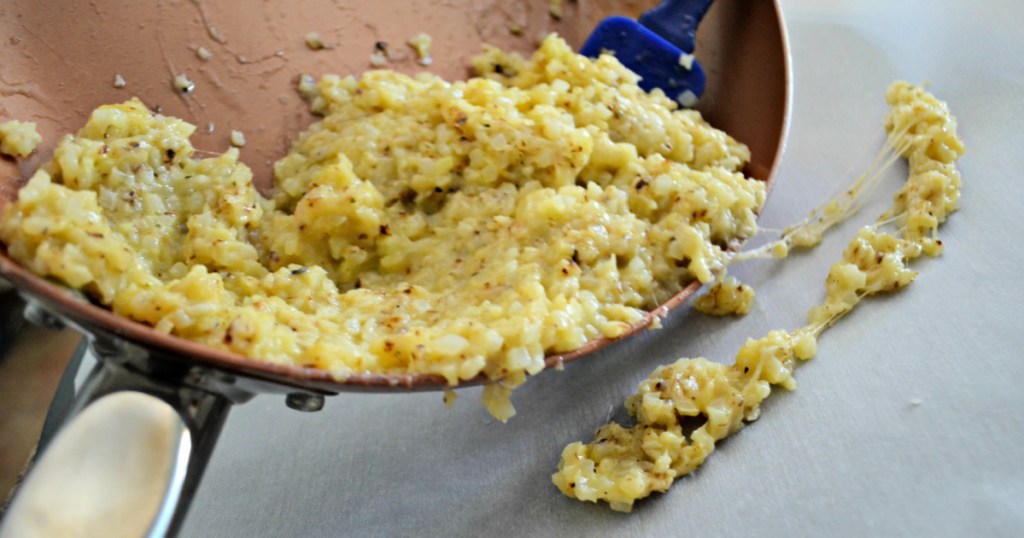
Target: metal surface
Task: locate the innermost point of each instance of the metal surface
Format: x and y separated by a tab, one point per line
197	399
121	468
32	360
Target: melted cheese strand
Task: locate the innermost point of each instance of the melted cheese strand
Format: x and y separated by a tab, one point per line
809	231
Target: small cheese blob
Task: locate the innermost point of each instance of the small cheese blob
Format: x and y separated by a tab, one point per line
19	138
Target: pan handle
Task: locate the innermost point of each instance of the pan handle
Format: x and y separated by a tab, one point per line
127	463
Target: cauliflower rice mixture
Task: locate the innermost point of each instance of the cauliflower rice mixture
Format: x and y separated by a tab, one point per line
624	464
457	229
19	138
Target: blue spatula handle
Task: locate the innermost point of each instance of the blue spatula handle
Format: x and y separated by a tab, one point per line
658	47
647	54
676	21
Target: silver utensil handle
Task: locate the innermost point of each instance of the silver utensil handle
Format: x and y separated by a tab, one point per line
127	463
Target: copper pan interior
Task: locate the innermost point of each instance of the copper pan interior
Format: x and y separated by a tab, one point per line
59	62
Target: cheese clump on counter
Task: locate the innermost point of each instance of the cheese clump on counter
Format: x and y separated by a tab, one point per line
623	464
19	138
462	230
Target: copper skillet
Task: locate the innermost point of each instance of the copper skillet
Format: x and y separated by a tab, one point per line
60	62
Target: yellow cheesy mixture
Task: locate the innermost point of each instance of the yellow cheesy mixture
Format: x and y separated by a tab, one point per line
624	464
726	297
19	138
461	229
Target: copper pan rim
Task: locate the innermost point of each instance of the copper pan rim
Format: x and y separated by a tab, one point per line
92	318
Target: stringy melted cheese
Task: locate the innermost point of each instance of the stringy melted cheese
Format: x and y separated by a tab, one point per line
624	464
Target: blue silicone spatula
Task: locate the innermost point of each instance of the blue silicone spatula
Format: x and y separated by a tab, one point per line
658	47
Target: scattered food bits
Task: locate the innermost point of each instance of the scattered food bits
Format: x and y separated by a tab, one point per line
210	127
495	398
421	43
119	81
686	60
779	250
687	99
19	138
237	138
314	42
916	402
378	59
383	54
555	9
516	30
183	84
449	397
307	87
203	54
